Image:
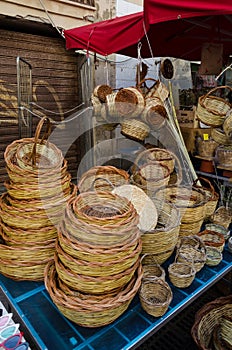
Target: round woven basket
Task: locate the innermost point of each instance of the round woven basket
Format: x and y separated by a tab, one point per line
154	113
212	110
193	256
206	148
213	256
165	235
212	196
224	156
190	228
90	310
134	129
102	177
222	216
155	296
181	274
212	239
159	258
210	316
151	271
218	228
227	126
220	137
189	201
101	91
129	102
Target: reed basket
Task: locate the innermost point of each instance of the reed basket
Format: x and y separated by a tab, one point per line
212	239
212	110
218	228
227	125
134	129
206	148
129	102
192	256
101	91
151	268
222	216
102	177
224	156
154	113
213	256
181	274
220	137
207	320
90	310
155	296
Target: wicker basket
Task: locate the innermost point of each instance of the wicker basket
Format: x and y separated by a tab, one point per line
101	92
224	156
213	256
212	110
154	113
155	296
181	274
102	177
206	148
129	102
212	239
227	126
210	316
222	216
192	256
89	310
191	228
212	196
135	129
151	268
218	228
220	137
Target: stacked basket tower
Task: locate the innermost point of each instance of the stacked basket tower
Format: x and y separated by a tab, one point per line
37	190
96	270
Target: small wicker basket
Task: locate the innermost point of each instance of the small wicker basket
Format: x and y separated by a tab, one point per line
135	129
220	137
213	256
181	274
212	239
224	156
222	216
155	296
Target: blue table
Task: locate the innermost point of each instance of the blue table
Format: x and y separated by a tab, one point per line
51	330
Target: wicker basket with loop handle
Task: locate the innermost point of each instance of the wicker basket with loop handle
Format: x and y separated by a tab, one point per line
39	153
126	103
155	296
181	274
157	90
211	110
208	320
212	196
212	239
152	269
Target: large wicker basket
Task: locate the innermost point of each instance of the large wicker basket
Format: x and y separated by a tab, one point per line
207	320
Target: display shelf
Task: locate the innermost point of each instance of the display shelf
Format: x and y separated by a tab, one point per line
51	330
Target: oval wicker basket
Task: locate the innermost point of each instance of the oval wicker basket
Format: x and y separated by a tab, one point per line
206	148
193	256
102	177
151	271
181	274
208	318
212	110
155	296
212	196
213	256
218	228
222	216
212	239
134	129
220	137
89	310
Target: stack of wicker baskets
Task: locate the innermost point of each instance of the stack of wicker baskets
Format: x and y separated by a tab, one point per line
38	188
96	270
191	203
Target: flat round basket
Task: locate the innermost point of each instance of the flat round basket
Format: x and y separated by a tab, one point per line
212	110
155	296
143	204
129	102
208	318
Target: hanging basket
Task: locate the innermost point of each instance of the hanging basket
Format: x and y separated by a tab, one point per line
212	110
129	102
134	129
154	113
101	92
155	296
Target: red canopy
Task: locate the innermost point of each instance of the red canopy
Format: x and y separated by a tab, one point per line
175	28
107	37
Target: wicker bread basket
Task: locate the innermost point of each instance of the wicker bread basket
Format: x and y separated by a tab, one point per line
135	129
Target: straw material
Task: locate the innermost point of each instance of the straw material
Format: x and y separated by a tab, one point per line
152	175
159	258
218	228
227	126
155	296
190	228
154	113
222	216
206	148
153	270
129	102
212	110
213	256
181	274
134	129
210	316
102	177
224	156
164	237
220	137
212	196
101	92
90	310
191	250
212	239
143	204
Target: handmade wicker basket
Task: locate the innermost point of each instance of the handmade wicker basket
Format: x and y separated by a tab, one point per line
212	239
222	216
154	113
129	102
101	91
102	177
90	310
181	274
155	296
224	156
134	129
227	125
206	148
212	110
220	137
212	196
218	228
193	256
210	316
213	256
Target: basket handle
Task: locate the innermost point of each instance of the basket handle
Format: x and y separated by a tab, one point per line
144	82
104	179
215	89
37	134
201	178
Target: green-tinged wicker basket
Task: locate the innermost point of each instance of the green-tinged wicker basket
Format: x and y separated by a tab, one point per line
102	177
212	110
222	216
165	235
93	253
220	137
155	296
227	126
90	310
218	228
94	284
212	239
134	129
210	316
213	256
190	201
99	268
101	218
181	274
